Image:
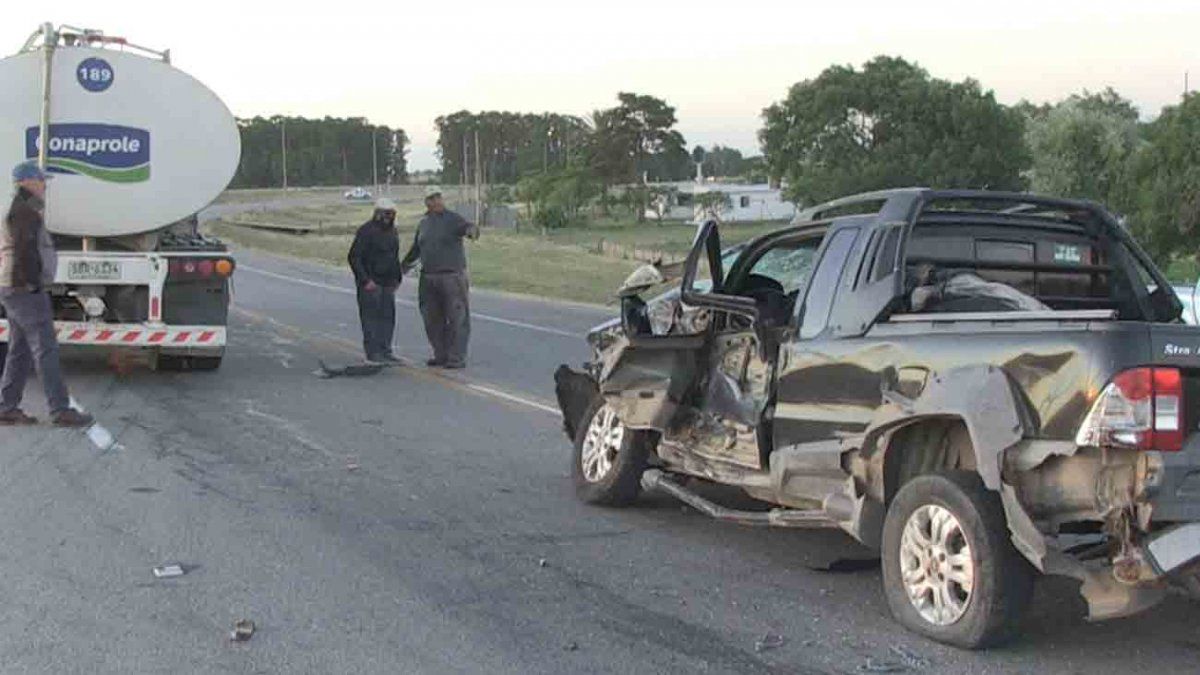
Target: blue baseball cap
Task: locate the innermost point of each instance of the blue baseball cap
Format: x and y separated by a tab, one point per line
28	170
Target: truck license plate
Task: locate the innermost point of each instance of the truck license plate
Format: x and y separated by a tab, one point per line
94	270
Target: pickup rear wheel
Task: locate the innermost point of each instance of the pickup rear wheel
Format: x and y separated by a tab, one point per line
950	571
609	458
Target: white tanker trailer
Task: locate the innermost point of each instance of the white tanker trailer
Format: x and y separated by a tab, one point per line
137	148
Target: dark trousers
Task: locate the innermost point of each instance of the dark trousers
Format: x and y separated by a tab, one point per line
377	312
32	345
446	311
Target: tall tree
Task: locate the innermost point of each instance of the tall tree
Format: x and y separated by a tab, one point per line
1084	147
888	125
1168	214
636	141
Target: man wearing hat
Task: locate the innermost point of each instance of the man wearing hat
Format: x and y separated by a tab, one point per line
375	259
27	265
444	285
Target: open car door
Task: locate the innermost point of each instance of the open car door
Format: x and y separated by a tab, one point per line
752	311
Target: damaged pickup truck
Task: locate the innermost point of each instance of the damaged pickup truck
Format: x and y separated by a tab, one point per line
980	385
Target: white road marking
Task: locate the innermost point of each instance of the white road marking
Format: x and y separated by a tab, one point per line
515	399
409	303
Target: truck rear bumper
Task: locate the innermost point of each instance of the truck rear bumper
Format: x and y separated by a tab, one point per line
134	335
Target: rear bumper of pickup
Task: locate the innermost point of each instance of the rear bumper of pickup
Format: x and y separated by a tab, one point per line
1173	487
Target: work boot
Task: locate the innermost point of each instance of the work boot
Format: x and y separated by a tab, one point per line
391	358
15	418
376	360
72	418
454	365
435	363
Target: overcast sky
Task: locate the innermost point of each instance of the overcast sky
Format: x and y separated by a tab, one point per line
719	64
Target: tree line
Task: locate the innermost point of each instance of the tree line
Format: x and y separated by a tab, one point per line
328	151
890	124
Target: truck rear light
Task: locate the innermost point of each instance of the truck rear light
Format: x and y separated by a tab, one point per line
181	269
204	268
1141	409
224	267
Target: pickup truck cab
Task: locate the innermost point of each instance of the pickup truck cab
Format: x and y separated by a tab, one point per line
982	386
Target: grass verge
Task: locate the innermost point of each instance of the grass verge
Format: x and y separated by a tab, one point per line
501	261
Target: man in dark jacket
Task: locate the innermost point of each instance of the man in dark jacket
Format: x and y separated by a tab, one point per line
443	293
375	259
27	265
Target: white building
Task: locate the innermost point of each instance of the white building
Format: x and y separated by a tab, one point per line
745	203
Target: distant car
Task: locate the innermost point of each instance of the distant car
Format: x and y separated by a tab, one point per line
1189	304
358	193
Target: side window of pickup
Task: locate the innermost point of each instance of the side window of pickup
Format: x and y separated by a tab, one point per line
823	287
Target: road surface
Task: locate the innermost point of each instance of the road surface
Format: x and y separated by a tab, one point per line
421	523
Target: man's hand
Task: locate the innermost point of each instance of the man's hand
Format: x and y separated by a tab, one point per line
473	232
370	286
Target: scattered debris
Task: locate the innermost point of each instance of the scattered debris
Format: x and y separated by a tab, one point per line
373	422
364	370
243	629
845	565
144	490
767	642
571	647
543	563
168	571
352	466
910	658
876	666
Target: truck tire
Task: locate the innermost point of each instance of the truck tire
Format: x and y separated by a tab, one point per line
167	363
609	459
206	363
950	571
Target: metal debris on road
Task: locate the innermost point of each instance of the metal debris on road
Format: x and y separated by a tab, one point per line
876	666
365	370
543	563
243	629
767	642
352	466
910	658
571	647
168	571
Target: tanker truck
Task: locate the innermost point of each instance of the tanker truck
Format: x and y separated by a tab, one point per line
136	149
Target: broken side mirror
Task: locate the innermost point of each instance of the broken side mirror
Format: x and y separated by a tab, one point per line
642	279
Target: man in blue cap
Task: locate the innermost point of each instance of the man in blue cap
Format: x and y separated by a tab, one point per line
27	265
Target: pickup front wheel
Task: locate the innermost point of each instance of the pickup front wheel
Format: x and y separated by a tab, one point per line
950	571
609	458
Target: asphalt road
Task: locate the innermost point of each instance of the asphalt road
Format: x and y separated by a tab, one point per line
417	523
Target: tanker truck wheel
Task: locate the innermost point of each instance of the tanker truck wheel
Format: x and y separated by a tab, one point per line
206	362
167	363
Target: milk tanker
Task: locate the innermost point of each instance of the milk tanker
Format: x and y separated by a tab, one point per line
136	148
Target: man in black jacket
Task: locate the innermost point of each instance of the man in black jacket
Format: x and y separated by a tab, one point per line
27	265
375	259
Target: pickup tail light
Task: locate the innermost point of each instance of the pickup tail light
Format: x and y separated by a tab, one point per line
1140	409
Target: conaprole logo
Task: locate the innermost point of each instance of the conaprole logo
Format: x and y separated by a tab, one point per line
107	152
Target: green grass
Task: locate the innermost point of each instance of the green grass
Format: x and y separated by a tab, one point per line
671	238
499	260
568	263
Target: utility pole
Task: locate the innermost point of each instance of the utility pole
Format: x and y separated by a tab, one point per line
283	144
465	179
478	179
374	160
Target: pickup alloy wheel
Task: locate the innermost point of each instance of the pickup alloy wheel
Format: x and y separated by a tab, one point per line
609	458
601	443
935	560
950	571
